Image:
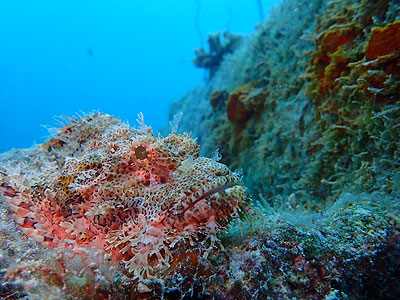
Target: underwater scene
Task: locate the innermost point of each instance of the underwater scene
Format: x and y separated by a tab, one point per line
200	150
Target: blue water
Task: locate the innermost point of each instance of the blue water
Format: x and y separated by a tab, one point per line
120	57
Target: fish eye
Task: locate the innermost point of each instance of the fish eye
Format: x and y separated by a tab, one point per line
141	152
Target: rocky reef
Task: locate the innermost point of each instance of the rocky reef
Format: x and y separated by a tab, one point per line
323	116
217	50
308	108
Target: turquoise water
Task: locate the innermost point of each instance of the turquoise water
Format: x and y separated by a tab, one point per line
120	57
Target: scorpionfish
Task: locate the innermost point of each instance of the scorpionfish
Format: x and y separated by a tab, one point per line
100	183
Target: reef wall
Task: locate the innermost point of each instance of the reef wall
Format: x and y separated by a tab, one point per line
308	106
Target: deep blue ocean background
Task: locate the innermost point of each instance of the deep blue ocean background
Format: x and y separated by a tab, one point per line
121	57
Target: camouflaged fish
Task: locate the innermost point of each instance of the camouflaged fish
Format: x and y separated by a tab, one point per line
99	182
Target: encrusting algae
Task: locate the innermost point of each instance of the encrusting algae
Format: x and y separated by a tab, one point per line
137	197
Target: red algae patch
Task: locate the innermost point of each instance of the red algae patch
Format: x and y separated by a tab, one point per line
336	36
244	101
383	41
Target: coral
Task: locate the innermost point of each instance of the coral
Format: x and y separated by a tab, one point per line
218	98
351	95
136	197
383	41
244	101
329	60
329	122
235	109
269	146
330	40
217	50
351	250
